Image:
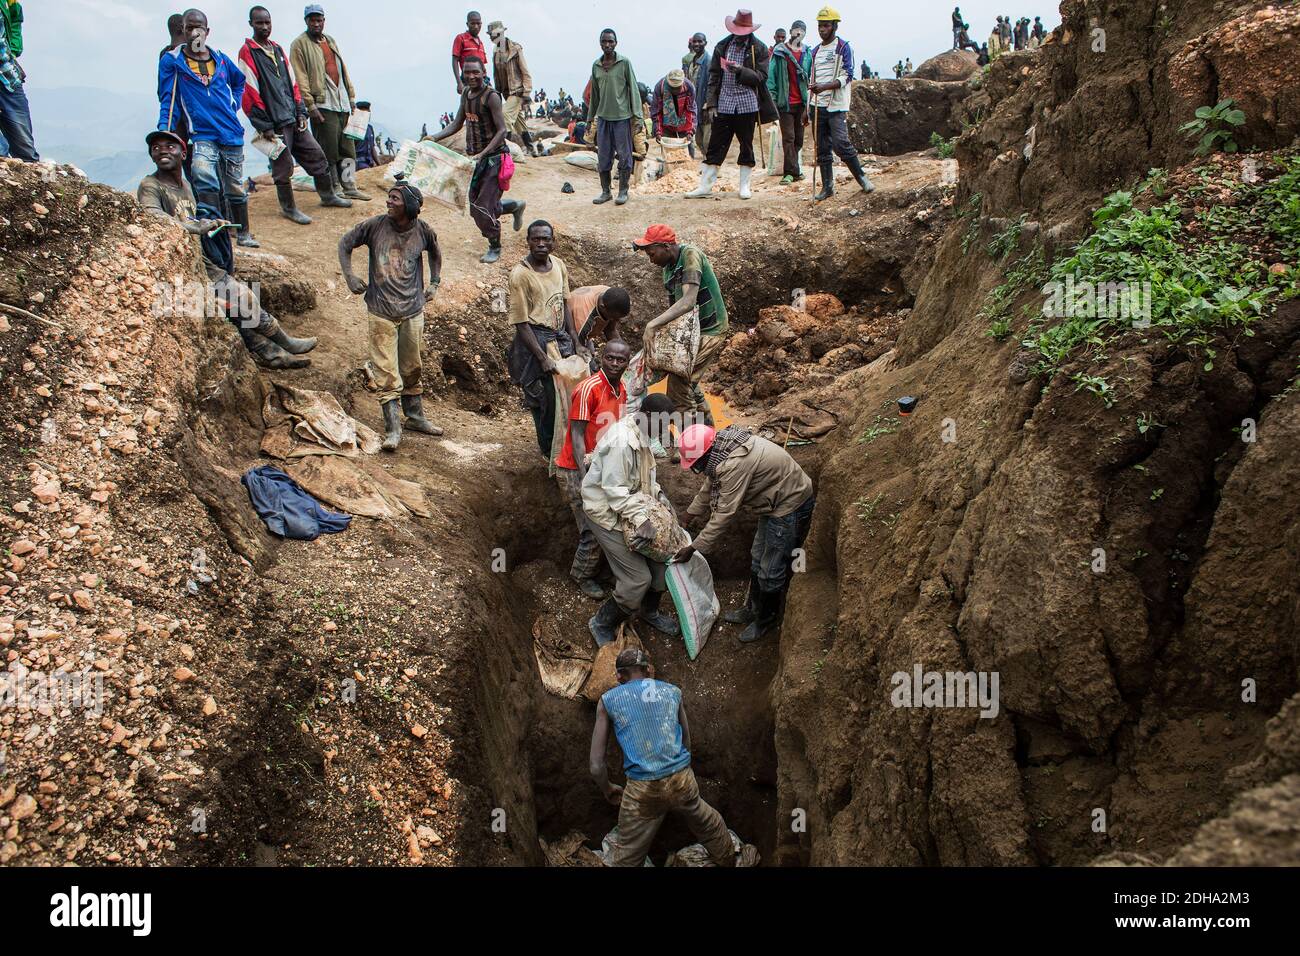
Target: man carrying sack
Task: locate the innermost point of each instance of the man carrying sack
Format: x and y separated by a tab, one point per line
693	295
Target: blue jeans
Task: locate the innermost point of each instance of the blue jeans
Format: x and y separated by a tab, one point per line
833	134
216	171
16	125
774	545
614	136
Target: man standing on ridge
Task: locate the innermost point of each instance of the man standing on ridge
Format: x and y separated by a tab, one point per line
467	45
205	86
482	116
615	106
329	97
787	81
832	93
275	110
395	298
695	64
15	113
511	77
738	101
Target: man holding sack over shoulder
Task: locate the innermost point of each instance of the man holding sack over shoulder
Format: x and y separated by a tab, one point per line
693	296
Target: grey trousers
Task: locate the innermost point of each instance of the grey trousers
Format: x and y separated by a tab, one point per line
635	574
644	805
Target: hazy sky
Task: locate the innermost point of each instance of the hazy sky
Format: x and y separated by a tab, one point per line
398	51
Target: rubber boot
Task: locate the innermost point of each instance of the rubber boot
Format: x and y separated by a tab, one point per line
347	176
493	253
828	183
267	354
239	210
287	342
591	588
767	614
605	194
860	174
515	207
708	176
624	178
656	618
745	174
392	426
605	622
288	207
328	197
413	409
746	614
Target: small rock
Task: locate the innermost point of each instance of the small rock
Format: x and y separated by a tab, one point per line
23	807
209	707
182	674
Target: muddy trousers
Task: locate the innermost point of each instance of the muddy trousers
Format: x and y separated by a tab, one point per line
792	140
299	147
338	148
485	198
634	573
642	810
586	559
395	355
775	540
687	396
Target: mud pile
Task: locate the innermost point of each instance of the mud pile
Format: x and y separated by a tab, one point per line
1131	583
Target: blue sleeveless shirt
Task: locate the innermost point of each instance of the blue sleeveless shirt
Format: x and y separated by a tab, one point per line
644	713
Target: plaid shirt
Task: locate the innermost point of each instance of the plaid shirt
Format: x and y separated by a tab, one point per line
732	97
11	74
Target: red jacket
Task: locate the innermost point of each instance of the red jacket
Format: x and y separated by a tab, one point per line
253	103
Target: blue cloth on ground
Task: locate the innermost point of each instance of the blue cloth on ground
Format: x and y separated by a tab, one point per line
288	511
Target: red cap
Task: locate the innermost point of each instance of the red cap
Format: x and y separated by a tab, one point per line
658	234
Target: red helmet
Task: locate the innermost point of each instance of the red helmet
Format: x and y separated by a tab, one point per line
695	443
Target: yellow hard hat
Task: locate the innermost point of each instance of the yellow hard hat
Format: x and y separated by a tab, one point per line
828	13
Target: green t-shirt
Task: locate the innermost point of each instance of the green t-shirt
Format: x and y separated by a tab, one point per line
693	266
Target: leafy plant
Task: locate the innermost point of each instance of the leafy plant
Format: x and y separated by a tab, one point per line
1000	330
1007	240
1214	126
944	147
879	426
1146	422
971	212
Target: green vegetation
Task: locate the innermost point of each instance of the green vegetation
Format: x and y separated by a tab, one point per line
879	426
1006	241
1214	126
971	213
1204	260
1028	272
944	147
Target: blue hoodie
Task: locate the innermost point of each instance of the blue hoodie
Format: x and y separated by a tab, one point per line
212	110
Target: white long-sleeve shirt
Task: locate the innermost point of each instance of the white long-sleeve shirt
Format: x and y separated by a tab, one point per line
621	466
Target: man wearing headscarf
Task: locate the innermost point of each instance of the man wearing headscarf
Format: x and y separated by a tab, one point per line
511	77
395	297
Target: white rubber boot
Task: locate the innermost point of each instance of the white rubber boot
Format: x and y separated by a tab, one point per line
708	176
745	173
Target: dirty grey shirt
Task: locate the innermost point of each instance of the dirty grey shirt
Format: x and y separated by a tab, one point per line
396	278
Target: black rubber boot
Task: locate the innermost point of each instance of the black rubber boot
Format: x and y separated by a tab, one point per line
605	622
392	426
288	207
287	342
605	194
244	236
413	409
624	179
328	197
767	615
745	615
860	174
656	618
515	207
828	183
269	355
493	253
349	185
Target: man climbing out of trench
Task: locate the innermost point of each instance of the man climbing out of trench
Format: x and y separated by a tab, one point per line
649	720
688	276
596	404
480	113
395	297
597	310
744	471
165	193
616	491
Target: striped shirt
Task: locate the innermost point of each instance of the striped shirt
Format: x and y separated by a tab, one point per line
644	713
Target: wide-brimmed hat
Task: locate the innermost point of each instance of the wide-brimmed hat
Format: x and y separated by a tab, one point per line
676	78
742	24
